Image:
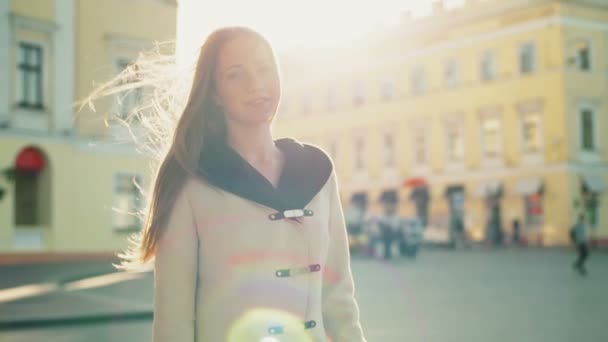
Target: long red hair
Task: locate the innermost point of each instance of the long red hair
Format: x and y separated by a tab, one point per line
200	120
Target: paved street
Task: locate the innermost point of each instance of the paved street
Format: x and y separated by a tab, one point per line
473	295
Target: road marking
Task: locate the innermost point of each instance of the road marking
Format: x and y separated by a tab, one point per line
102	280
25	291
33	290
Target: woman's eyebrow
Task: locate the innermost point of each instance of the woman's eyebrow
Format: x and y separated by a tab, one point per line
233	66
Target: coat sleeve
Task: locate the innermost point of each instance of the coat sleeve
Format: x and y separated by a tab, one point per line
340	309
175	275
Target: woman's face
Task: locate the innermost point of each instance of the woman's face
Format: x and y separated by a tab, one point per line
247	81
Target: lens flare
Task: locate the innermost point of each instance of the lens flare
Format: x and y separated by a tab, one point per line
260	324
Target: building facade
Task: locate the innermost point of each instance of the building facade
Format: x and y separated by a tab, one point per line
66	185
490	113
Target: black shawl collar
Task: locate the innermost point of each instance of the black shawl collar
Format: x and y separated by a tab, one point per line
305	171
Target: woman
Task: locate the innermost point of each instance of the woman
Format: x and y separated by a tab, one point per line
246	232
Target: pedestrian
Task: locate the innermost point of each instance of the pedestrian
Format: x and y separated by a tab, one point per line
246	232
578	234
516	232
356	218
388	224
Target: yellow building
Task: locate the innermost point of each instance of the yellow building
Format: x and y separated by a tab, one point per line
61	177
497	106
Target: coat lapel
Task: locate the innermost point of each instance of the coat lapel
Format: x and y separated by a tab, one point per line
305	172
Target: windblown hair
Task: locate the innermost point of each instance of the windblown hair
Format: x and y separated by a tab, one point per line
178	114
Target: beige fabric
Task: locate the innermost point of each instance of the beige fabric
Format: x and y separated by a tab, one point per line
216	271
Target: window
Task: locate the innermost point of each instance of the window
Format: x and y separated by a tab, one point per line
534	210
306	104
531	132
488	66
359	95
26	199
30	73
583	56
491	137
388	90
283	107
389	150
331	100
359	154
129	99
587	127
418	81
527	58
452	74
420	146
333	150
127	202
455	142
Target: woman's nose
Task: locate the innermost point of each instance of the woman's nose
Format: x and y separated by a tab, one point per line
256	81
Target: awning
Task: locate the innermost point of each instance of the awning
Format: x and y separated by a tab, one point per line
489	188
415	182
594	183
530	186
30	159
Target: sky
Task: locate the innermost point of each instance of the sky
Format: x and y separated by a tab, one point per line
288	23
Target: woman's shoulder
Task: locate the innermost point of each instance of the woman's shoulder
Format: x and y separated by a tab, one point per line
306	163
304	152
195	185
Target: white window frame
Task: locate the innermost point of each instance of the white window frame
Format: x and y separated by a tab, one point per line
578	60
420	127
360	172
118	69
119	131
534	67
392	170
26	117
306	104
333	148
330	100
486	160
587	155
455	122
44	72
526	109
387	90
456	77
359	94
388	159
493	58
422	89
115	184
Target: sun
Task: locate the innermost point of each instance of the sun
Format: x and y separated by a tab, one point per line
289	24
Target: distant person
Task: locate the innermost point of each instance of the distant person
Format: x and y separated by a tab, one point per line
388	225
356	218
246	232
578	233
459	237
516	232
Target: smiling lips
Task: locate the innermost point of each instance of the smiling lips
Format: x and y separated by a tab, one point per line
258	101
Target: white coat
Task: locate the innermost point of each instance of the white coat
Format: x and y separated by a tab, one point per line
229	268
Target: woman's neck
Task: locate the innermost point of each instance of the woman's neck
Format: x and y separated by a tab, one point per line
254	144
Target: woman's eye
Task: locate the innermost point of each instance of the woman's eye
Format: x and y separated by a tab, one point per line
234	75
